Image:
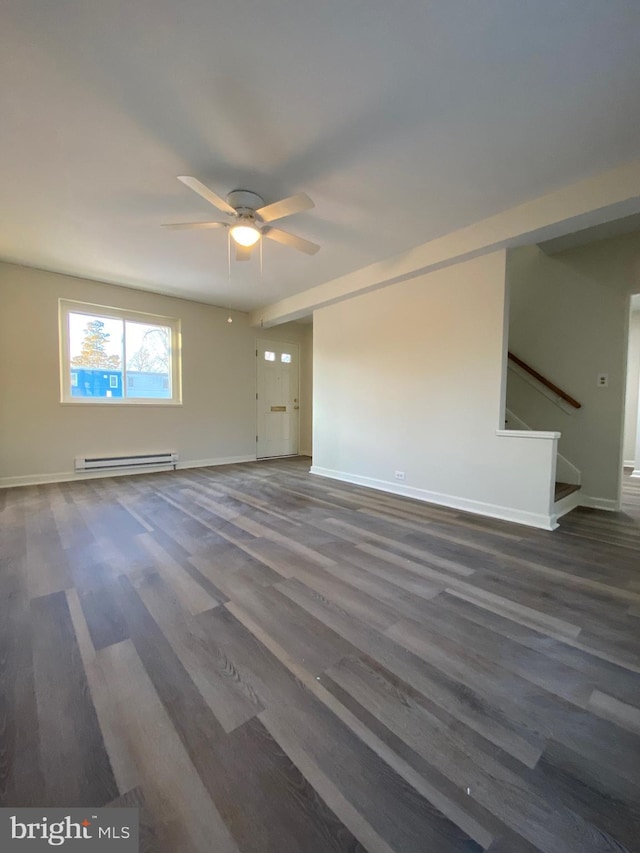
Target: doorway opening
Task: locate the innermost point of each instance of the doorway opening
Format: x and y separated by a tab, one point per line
631	432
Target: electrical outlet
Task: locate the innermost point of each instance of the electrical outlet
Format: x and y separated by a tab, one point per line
602	380
399	475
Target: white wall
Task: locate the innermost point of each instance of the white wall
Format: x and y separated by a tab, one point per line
568	320
410	378
306	385
592	201
631	396
40	436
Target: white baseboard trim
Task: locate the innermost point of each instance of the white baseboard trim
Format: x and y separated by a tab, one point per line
531	519
73	476
629	463
607	504
219	460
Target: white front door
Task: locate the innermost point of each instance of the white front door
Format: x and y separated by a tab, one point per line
278	399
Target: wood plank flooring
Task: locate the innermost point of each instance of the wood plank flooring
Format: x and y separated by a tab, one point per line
262	661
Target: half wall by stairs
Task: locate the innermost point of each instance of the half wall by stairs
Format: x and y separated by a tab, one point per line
567	489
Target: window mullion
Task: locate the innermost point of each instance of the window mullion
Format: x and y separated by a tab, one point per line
125	387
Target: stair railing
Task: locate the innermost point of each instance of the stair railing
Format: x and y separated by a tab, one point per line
544	381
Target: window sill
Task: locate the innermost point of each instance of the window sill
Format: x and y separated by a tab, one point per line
123	403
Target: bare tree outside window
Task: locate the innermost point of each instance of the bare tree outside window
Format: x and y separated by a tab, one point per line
153	354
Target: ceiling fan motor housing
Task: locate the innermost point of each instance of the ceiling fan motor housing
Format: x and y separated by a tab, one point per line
245	202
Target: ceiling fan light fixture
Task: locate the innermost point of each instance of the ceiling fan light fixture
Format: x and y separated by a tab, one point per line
245	234
250	218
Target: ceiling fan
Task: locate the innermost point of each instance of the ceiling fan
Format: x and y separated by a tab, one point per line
249	218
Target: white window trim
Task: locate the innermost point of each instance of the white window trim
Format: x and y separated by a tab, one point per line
67	306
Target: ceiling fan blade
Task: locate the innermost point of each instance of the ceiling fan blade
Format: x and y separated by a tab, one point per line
243	253
291	240
286	207
176	226
198	187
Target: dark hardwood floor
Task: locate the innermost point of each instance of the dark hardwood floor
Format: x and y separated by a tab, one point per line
262	660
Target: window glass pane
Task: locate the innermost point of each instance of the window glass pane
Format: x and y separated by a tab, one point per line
95	350
109	355
269	356
285	358
148	349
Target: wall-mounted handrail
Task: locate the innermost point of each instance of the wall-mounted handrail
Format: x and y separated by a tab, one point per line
544	381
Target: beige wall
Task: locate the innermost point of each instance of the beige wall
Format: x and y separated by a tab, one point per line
631	397
568	319
410	378
40	436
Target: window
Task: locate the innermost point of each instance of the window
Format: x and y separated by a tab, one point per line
285	358
269	356
118	357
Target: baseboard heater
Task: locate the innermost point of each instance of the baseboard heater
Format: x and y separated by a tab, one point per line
139	460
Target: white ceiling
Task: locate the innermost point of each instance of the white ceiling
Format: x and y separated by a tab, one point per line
402	120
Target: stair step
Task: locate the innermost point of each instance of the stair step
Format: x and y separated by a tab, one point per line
564	489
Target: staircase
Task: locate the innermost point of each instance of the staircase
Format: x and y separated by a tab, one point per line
566	498
563	490
566	495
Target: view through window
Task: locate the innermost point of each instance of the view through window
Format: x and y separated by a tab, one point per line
110	355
